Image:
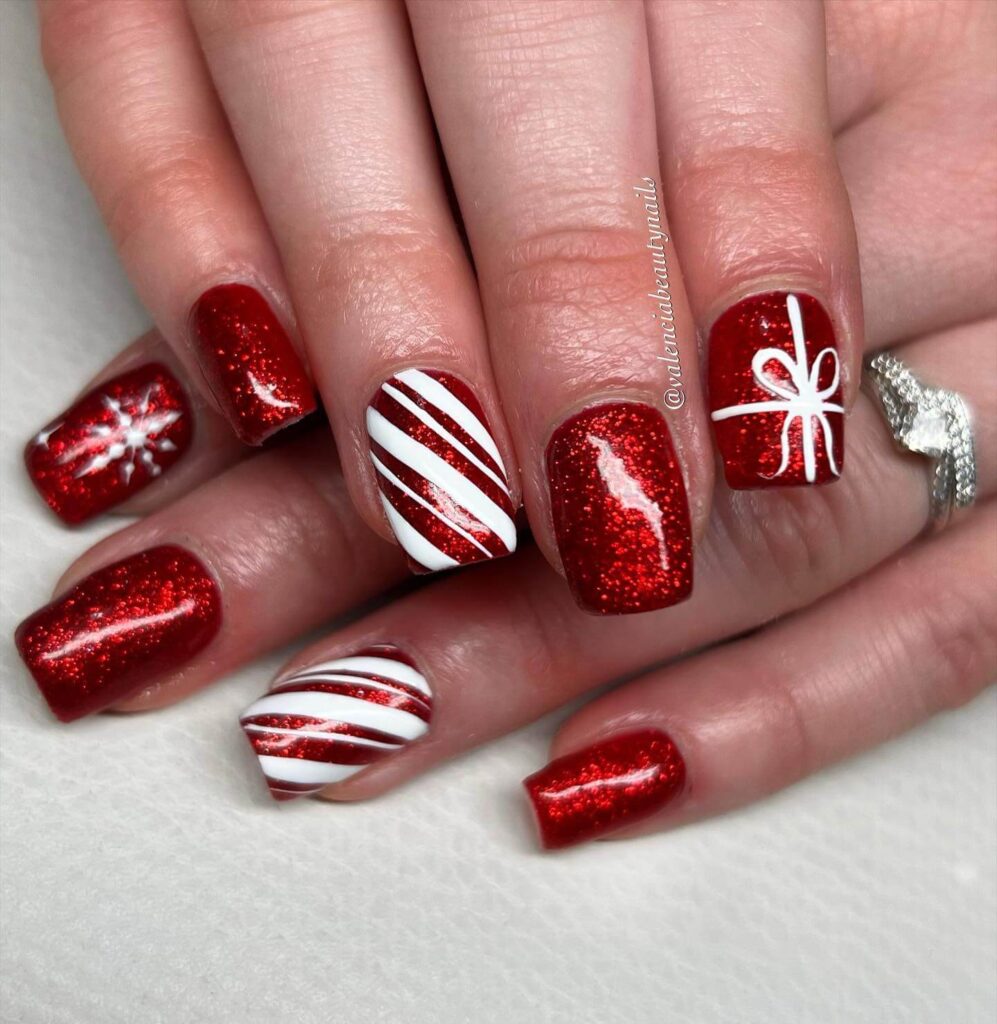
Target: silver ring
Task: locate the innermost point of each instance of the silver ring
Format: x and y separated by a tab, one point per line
932	422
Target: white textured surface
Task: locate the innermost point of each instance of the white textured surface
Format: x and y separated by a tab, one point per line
147	880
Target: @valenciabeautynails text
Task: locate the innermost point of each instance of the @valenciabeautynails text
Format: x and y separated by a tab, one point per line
674	394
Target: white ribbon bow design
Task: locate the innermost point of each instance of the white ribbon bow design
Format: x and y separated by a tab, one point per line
800	398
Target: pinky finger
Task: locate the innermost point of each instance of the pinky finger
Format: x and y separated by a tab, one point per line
915	637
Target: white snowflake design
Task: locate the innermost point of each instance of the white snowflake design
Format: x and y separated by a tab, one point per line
128	440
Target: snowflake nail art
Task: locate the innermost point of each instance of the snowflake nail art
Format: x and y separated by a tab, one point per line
113	442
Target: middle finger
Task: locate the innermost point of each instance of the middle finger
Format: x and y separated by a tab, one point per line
546	118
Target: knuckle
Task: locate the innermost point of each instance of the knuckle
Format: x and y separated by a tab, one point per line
66	29
297	32
755	197
788	730
401	269
587	268
788	167
800	543
960	634
163	175
80	35
357	251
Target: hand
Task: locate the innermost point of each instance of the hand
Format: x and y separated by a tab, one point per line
506	630
270	173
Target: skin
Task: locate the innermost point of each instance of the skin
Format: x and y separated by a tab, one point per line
912	103
216	152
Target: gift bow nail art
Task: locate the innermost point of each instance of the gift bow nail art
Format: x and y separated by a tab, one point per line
801	397
326	722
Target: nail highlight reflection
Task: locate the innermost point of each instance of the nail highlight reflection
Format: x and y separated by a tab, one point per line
619	509
249	362
605	787
119	629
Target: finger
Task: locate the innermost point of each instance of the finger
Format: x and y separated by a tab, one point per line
928	264
141	116
511	630
137	438
746	719
546	117
242	564
385	293
764	230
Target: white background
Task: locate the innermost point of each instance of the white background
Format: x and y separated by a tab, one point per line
146	878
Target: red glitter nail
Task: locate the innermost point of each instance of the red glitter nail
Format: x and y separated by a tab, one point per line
605	787
249	362
621	518
119	630
775	392
111	443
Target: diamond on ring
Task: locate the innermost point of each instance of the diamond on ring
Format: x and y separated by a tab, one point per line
932	422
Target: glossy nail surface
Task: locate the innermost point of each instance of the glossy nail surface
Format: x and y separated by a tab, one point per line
444	487
605	787
619	508
775	392
111	443
249	362
119	629
326	722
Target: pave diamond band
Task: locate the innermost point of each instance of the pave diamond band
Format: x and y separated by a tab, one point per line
932	422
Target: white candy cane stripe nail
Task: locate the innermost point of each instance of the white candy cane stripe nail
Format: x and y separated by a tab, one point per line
443	484
326	722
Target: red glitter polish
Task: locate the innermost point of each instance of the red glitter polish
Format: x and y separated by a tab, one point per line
605	787
618	502
110	443
249	362
119	629
775	392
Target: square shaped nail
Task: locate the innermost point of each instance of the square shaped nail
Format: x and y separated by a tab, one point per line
619	509
111	443
444	487
775	392
327	721
605	787
249	362
119	629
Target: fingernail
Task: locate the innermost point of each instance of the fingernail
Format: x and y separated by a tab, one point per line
110	443
120	629
328	721
621	518
444	487
249	363
775	392
605	787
